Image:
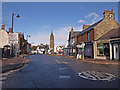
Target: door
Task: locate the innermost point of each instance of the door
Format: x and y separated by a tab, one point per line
116	52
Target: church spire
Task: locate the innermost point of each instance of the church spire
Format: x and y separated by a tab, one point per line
52	42
52	33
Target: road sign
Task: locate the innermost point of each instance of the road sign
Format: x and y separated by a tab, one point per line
13	38
81	46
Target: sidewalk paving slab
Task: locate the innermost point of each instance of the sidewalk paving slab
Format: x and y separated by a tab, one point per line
13	63
94	61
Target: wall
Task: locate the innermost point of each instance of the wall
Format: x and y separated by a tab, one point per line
84	37
0	53
104	26
3	38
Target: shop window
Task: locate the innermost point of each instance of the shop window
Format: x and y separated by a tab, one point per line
100	49
103	49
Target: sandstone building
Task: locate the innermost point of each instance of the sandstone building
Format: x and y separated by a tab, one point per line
91	35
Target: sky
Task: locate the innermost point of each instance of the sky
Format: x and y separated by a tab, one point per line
38	19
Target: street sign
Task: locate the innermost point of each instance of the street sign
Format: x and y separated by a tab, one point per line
13	38
81	46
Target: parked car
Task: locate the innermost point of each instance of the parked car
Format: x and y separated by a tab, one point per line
30	53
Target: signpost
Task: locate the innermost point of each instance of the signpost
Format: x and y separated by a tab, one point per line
13	40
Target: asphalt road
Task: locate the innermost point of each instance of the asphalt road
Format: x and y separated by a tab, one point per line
57	72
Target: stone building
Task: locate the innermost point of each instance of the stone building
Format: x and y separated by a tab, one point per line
92	33
72	41
4	43
23	44
52	42
3	37
108	45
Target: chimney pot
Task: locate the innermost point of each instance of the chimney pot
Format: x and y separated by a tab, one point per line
3	27
10	30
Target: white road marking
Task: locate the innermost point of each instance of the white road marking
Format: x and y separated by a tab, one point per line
3	78
62	68
64	76
57	61
92	75
64	62
61	62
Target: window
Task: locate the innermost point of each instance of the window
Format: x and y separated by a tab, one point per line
99	49
88	36
103	49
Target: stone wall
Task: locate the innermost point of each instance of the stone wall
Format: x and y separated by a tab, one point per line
104	26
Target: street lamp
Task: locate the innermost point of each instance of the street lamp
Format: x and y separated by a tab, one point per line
17	15
27	37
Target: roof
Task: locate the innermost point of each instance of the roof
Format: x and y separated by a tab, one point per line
111	34
91	27
75	33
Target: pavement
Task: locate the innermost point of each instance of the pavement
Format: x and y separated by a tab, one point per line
13	63
90	60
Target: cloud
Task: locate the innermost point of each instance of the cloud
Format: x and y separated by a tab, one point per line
96	17
79	28
60	36
91	14
81	21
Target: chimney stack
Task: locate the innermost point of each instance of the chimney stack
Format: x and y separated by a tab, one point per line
85	26
72	29
3	27
10	30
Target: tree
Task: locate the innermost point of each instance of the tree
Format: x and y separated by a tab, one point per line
34	47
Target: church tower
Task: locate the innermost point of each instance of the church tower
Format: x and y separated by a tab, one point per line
52	42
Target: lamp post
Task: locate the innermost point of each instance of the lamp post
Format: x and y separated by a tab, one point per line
27	37
27	43
17	15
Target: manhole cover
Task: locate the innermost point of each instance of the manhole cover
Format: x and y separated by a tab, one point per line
92	75
64	76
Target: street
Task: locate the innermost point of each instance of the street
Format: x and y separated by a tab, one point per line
58	72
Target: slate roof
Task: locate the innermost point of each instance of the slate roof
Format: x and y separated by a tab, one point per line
111	34
91	27
75	33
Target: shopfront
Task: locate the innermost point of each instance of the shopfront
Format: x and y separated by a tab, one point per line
101	50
